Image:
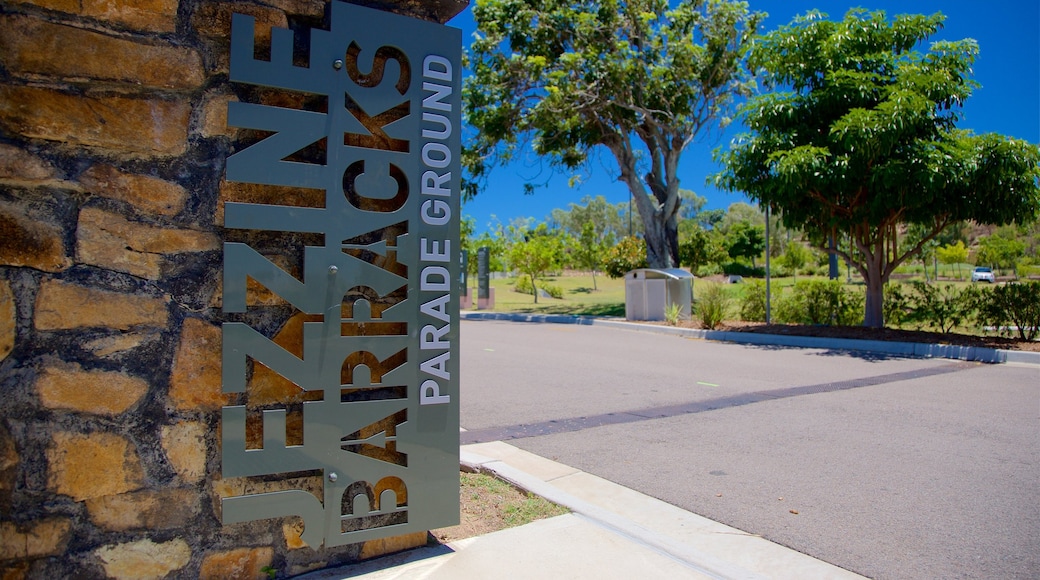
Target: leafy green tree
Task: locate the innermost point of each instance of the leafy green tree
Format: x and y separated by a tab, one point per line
691	204
625	256
710	218
999	251
744	240
537	252
700	247
639	78
915	238
953	254
741	212
590	250
860	137
607	219
795	257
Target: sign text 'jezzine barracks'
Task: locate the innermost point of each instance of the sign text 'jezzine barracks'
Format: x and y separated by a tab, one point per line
380	345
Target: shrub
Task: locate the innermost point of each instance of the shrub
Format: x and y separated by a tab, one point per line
1014	304
627	255
672	313
820	302
943	307
708	270
896	305
738	269
753	302
712	304
523	285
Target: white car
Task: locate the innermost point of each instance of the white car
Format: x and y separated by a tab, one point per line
981	274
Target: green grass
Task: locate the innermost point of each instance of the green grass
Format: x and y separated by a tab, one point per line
608	299
578	297
526	508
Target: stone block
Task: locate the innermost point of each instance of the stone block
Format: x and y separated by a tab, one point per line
147	15
213	118
8	319
32	47
266	194
28	242
20	168
67	386
292	531
144	559
185	446
37	539
111	241
384	546
117	344
14	570
146	193
9	460
195	379
213	19
84	466
144	510
61	305
138	127
256	293
238	564
267	387
300	7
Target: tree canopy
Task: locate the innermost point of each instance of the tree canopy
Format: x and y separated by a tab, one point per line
640	78
860	137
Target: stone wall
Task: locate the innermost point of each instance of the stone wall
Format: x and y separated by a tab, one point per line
113	138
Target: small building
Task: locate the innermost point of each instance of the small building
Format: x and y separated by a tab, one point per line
650	291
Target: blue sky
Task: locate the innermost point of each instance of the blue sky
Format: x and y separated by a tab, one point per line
1008	68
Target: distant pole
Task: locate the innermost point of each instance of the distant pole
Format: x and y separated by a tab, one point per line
630	213
832	272
767	265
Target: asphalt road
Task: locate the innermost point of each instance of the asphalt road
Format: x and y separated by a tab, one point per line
886	466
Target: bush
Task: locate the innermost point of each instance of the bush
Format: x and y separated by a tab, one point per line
738	269
896	305
523	285
820	302
1014	304
712	304
708	270
627	255
943	307
673	313
753	302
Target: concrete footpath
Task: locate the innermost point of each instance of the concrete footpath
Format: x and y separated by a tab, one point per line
612	532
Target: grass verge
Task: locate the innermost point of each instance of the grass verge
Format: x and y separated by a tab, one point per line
489	504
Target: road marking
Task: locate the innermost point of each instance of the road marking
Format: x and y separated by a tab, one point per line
706	384
565	425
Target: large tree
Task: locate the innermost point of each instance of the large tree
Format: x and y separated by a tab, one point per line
860	138
637	77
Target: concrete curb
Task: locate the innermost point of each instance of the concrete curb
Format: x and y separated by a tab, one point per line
908	349
700	561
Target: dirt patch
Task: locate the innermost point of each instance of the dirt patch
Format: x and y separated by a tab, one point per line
489	504
864	333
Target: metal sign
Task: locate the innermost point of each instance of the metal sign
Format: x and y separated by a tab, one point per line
380	421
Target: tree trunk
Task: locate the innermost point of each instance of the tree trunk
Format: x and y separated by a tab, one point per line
657	245
873	313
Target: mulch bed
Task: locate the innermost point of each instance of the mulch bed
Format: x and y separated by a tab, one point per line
887	334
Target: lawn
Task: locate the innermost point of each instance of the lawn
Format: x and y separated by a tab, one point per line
580	299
